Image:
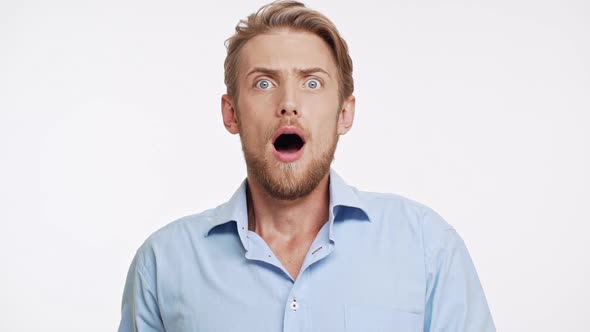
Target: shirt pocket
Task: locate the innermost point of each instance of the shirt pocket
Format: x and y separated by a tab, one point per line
375	318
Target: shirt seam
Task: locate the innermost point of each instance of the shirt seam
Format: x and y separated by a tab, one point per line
425	257
142	272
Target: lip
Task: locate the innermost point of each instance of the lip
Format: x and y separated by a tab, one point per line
288	130
288	157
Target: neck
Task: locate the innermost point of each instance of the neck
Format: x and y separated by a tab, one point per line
287	220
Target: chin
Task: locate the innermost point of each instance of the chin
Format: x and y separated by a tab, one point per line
289	180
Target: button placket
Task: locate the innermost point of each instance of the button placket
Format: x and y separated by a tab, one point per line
294	305
297	311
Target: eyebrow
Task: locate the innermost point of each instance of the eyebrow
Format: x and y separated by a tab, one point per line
274	72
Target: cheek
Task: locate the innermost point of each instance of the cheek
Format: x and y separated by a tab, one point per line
257	101
323	134
325	103
255	130
251	110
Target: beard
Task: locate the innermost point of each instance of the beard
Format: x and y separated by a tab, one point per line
289	181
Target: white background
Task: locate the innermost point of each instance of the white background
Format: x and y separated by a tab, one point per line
110	128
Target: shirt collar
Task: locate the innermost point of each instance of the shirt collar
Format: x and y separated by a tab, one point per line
343	195
236	209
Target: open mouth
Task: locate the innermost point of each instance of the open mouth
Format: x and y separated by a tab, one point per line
288	143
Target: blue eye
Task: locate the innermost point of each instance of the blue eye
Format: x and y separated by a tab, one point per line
263	84
313	83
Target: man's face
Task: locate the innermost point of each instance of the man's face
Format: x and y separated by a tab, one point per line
288	112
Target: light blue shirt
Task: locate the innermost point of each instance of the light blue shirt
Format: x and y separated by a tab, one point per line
380	263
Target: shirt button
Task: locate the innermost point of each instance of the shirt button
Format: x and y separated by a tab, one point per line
294	306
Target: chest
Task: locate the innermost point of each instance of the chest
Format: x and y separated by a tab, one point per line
359	287
291	254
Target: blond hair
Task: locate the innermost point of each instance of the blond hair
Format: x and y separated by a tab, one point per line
291	15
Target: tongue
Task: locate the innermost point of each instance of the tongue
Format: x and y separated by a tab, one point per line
289	149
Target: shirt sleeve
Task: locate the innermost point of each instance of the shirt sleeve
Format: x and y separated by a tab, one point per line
139	310
455	301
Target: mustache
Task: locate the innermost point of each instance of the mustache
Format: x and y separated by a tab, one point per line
288	122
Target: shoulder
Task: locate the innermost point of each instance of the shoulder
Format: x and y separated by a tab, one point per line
175	236
192	224
433	230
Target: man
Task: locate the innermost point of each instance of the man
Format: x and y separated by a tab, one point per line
295	248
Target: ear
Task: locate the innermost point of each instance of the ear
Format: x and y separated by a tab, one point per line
346	117
230	117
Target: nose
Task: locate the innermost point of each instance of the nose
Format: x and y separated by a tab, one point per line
288	111
288	105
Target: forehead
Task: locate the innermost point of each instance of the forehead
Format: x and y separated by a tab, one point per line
286	50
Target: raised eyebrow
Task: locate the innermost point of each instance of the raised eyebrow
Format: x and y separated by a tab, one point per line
274	73
262	70
308	71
